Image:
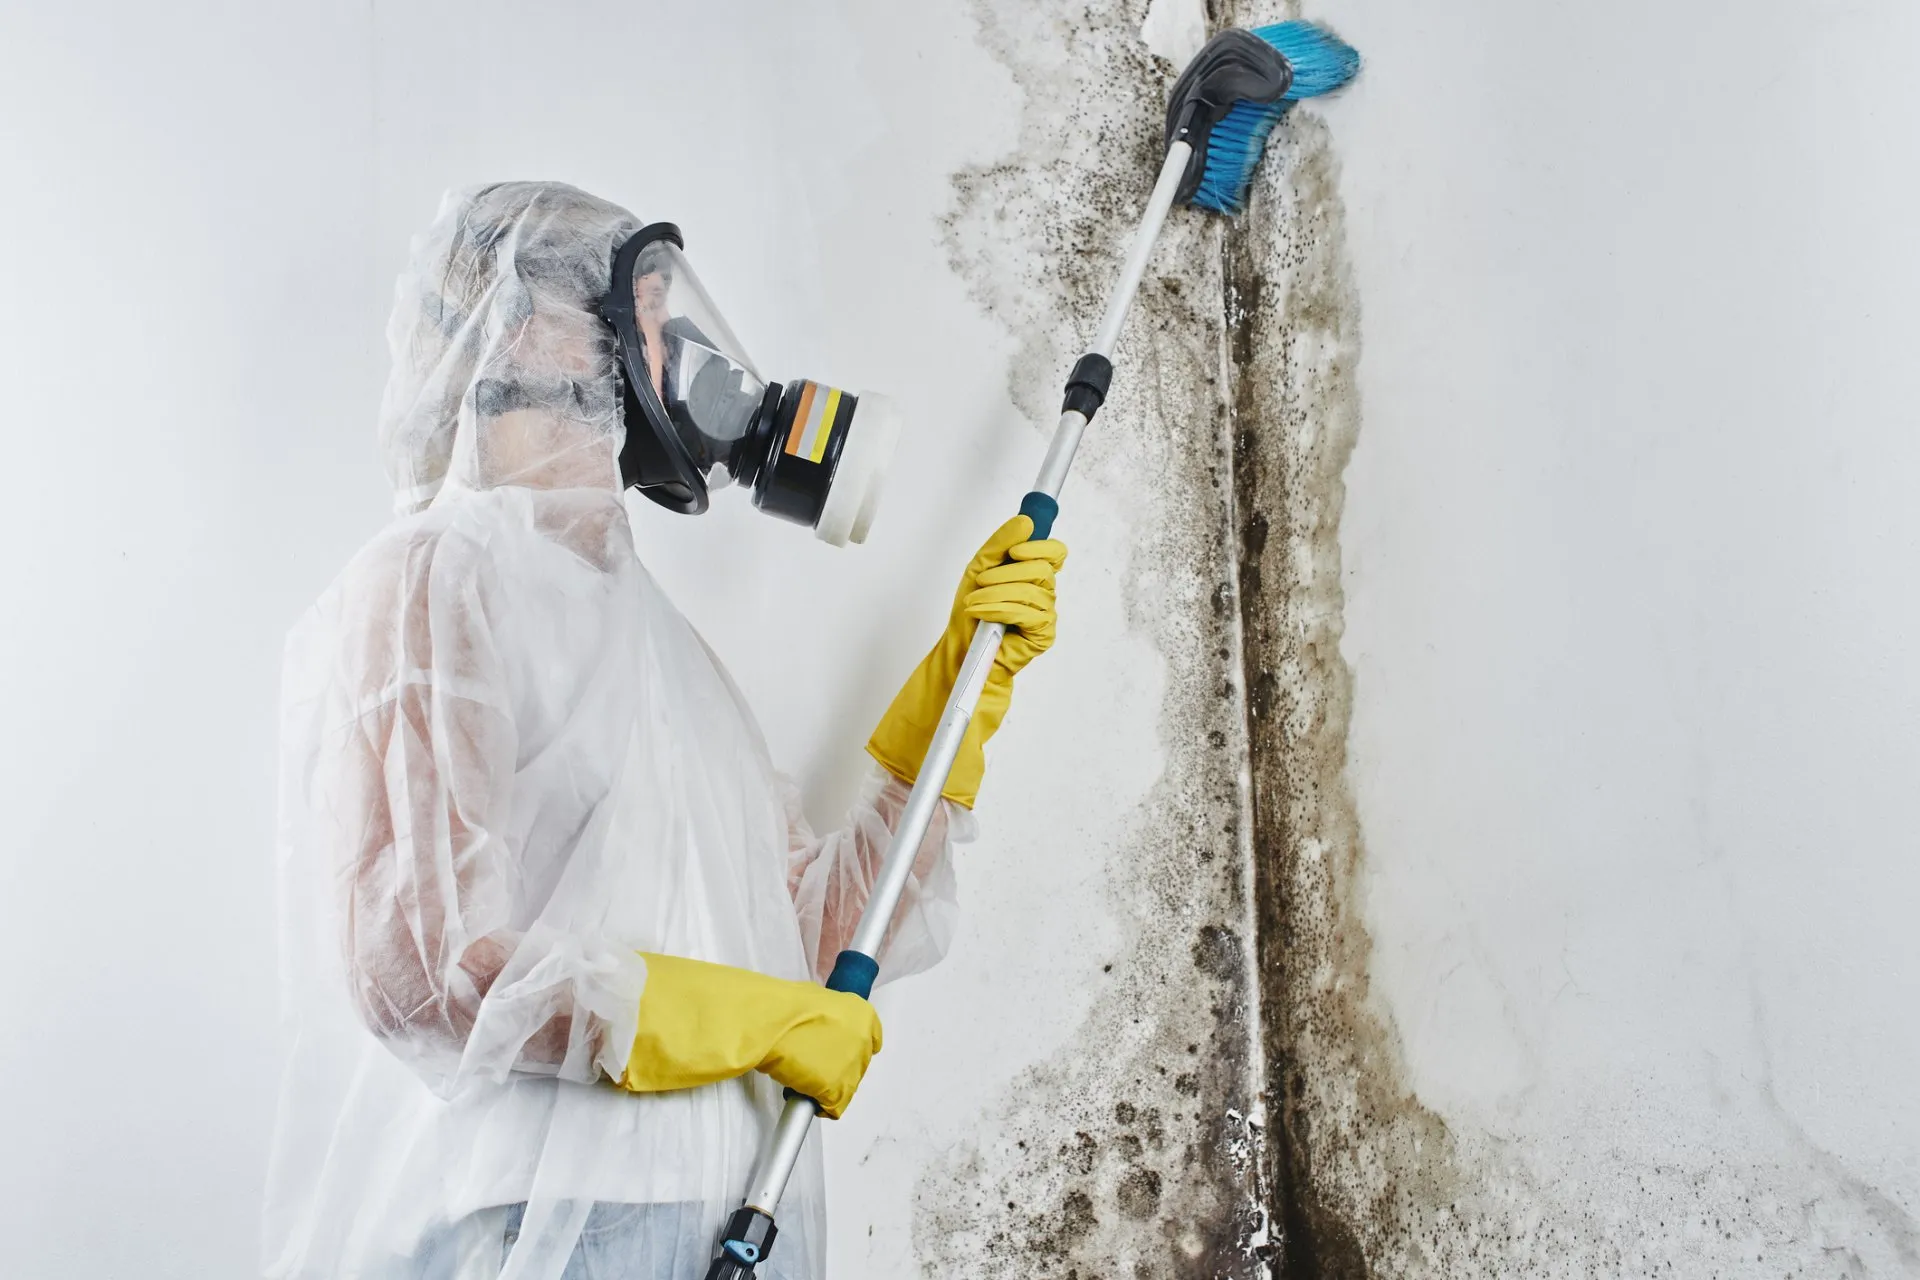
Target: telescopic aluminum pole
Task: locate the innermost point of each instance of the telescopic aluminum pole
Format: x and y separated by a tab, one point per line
750	1231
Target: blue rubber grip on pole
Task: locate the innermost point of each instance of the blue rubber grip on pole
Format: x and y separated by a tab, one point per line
1041	509
853	971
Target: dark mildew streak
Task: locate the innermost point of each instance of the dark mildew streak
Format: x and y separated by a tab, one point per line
1335	1078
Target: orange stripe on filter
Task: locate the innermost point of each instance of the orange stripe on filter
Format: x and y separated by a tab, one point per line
824	432
810	437
800	412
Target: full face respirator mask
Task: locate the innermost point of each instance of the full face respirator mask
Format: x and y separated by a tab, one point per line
700	417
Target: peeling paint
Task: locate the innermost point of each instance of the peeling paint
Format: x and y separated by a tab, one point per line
1175	30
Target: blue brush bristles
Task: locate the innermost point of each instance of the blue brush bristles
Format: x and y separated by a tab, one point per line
1321	63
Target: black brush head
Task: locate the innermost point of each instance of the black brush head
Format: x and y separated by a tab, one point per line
1233	67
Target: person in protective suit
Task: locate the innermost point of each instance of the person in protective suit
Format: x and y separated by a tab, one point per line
554	925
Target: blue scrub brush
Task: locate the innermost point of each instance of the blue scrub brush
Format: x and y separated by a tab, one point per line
1234	91
1218	117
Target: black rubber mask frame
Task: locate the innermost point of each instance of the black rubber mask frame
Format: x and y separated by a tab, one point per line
656	458
782	445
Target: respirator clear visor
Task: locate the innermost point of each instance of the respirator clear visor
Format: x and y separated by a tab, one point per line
698	413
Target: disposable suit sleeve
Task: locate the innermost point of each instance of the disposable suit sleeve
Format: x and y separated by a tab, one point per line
436	968
830	877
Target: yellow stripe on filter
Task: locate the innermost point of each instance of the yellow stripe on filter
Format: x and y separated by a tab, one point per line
813	422
827	415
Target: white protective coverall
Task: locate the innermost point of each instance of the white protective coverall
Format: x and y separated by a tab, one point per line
509	764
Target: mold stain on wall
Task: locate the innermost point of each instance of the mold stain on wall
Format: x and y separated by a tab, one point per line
1356	1157
1138	1154
1239	1103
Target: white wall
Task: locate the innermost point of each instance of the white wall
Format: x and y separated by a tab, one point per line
190	341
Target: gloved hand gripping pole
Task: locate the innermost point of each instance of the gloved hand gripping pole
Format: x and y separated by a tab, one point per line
750	1232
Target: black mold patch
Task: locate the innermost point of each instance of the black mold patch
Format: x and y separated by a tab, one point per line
1335	1066
1137	1153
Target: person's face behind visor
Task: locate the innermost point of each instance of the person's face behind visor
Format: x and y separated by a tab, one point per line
650	306
694	363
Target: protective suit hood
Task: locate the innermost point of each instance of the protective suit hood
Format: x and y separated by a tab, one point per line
504	373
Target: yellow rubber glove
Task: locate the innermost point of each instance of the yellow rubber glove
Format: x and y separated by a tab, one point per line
703	1022
1010	582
